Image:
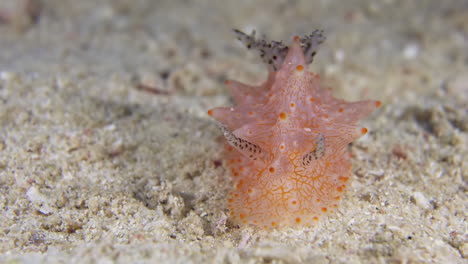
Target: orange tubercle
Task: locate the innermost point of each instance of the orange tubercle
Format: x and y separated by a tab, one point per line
239	184
283	115
210	112
299	68
364	130
343	179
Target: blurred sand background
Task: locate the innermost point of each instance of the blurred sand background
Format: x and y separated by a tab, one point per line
107	154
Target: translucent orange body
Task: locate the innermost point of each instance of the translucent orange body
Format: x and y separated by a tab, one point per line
288	117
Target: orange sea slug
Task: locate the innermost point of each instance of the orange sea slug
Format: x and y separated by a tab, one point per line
287	139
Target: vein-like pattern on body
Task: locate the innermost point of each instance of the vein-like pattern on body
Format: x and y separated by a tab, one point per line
287	139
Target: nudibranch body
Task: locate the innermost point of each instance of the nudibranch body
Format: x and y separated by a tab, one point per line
287	139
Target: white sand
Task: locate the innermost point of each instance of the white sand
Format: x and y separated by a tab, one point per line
94	170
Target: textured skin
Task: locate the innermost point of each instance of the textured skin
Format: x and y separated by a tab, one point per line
303	133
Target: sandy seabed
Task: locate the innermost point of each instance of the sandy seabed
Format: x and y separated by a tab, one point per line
107	153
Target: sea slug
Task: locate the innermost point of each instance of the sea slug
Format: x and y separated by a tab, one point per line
287	139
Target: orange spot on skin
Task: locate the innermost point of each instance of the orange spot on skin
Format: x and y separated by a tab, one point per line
299	68
283	115
292	104
312	99
271	169
337	198
315	218
343	179
273	224
340	110
378	104
324	209
364	130
318	200
249	190
230	200
239	184
294	202
251	113
210	112
242	216
298	220
340	188
296	38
